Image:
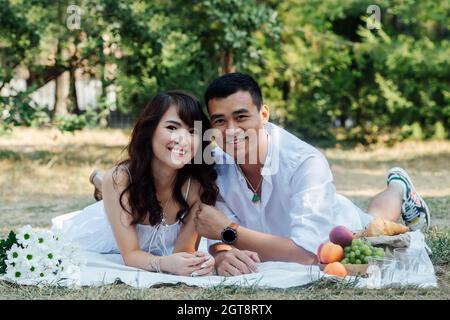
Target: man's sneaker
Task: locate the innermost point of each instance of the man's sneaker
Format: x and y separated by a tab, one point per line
96	179
415	211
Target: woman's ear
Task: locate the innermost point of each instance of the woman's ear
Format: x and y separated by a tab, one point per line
264	113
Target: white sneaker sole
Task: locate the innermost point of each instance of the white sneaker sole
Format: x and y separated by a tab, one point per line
408	178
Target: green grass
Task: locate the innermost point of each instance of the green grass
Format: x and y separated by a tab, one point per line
45	173
318	290
439	242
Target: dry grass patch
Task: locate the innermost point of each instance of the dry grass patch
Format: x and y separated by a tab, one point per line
45	173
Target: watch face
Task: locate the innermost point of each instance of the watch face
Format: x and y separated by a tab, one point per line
228	235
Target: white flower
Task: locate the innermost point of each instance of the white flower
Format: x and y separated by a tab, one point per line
34	268
68	270
58	236
43	238
25	235
13	274
31	253
14	253
42	273
44	257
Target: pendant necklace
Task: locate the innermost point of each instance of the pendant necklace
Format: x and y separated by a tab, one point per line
256	197
164	220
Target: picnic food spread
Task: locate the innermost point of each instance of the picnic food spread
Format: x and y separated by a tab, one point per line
348	254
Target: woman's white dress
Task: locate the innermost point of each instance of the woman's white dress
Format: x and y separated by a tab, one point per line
90	228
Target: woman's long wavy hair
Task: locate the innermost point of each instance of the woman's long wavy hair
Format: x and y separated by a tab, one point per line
141	190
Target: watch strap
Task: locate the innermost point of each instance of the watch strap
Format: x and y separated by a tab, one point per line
234	226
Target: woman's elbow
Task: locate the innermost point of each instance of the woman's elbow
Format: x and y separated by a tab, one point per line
129	259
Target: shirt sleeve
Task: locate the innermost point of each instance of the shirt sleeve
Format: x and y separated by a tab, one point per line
312	199
222	206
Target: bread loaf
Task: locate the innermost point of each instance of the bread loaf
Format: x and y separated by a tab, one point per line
383	227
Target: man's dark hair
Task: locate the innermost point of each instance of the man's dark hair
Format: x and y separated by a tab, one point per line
230	83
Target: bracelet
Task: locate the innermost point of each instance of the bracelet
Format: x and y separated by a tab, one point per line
220	246
155	264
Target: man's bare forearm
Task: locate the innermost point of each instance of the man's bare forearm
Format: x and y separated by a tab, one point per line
272	248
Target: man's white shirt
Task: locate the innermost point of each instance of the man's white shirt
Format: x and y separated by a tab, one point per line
298	198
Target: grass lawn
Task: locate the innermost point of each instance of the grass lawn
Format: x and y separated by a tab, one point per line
45	173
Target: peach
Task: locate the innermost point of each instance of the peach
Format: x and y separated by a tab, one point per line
318	250
336	269
341	235
330	252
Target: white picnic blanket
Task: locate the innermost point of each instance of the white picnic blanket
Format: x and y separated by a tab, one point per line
103	269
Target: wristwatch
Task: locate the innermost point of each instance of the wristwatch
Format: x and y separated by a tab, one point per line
229	234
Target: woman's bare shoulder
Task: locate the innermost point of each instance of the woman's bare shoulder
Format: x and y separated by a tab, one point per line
115	180
116	176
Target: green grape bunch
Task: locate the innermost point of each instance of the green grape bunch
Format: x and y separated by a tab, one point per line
359	252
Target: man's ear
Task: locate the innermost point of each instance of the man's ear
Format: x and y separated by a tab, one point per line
264	113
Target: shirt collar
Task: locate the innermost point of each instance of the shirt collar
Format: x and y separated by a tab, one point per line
271	162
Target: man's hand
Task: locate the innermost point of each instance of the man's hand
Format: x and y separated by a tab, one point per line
209	221
236	262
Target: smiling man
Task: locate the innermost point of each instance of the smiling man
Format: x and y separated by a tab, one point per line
277	198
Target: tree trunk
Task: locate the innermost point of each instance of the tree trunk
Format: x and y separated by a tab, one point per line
61	91
74	62
61	80
228	65
61	85
73	93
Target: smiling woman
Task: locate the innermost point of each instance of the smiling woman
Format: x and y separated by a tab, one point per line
147	198
174	142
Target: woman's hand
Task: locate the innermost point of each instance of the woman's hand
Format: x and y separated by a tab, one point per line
184	264
236	262
207	267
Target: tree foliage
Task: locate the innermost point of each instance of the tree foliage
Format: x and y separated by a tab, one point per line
325	75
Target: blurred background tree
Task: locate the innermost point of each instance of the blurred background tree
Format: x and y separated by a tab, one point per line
325	75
